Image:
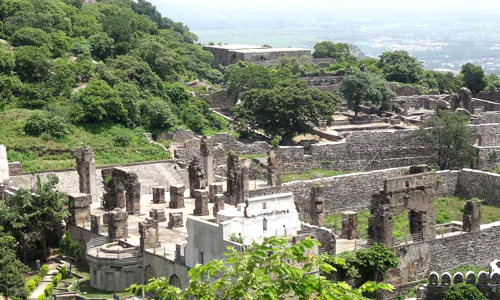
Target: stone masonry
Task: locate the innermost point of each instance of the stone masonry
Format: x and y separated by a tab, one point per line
214	189
118	224
317	210
201	203
218	203
158	195
148	231
176	196
274	167
122	190
79	208
472	216
158	215
207	161
86	168
175	220
196	176
349	225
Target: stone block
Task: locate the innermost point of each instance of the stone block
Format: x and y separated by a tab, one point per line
349	225
148	231
15	168
214	189
175	220
158	215
158	195
118	224
201	203
219	200
472	216
177	196
79	208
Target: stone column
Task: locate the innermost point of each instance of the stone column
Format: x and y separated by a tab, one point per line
214	189
207	161
274	167
95	223
243	186
317	206
218	203
118	224
201	203
79	208
149	234
465	96
196	176
133	194
4	165
158	215
472	216
176	196
175	220
86	168
158	195
233	170
349	225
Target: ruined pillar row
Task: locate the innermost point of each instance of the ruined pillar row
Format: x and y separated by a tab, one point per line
274	162
148	230
214	189
196	176
158	195
218	203
175	220
158	215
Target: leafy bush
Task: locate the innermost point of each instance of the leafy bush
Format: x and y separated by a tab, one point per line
215	76
37	279
237	239
28	36
159	114
40	123
70	248
44	270
31	286
464	292
48	290
443	217
41	297
64	272
57	279
122	138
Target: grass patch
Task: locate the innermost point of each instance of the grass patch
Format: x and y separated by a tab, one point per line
447	210
112	144
313	174
254	155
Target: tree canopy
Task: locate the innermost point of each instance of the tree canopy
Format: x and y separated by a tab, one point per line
12	271
272	269
401	67
365	87
287	109
473	77
450	135
337	51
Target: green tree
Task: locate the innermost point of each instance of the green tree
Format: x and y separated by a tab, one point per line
61	44
401	67
447	82
130	95
464	292
10	7
32	63
69	247
243	77
159	114
12	271
450	135
101	45
10	87
337	51
286	110
272	269
98	102
473	77
61	78
492	82
7	61
27	36
365	87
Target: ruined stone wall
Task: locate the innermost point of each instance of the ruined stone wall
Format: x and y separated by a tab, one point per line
219	99
15	168
364	150
162	173
488	134
486	105
491	95
487	118
487	158
478	184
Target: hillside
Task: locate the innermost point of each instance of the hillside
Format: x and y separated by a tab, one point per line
100	74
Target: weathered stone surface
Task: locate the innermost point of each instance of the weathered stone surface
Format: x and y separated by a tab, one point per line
86	168
274	162
158	195
207	161
196	176
465	98
15	169
122	190
79	208
349	225
324	235
214	189
96	224
201	203
218	203
472	216
118	224
158	215
317	210
175	220
148	231
176	196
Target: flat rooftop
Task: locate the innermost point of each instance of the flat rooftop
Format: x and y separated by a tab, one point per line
267	50
234	47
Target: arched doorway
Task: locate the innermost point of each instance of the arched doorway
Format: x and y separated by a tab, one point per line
150	273
175	281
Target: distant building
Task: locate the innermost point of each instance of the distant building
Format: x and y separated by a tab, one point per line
229	54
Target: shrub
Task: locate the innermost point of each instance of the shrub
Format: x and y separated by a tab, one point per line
159	114
64	272
31	286
443	217
37	279
40	123
44	270
464	292
57	279
48	290
41	297
237	239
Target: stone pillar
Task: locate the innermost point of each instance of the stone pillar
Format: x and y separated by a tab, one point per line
158	215
274	167
95	223
133	194
317	206
176	196
175	220
465	96
149	234
109	189
214	189
158	195
196	176
233	170
381	220
243	186
218	203
79	208
349	225
4	165
118	224
472	216
86	168
201	203
207	161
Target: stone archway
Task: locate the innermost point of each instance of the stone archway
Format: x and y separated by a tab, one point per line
150	273
175	281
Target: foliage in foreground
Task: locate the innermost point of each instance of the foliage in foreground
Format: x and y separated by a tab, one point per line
12	271
270	270
464	292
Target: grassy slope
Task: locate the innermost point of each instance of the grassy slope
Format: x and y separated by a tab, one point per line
447	210
111	144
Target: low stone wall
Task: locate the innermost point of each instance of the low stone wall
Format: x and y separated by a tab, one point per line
487	118
487	158
488	134
152	174
15	168
491	95
478	184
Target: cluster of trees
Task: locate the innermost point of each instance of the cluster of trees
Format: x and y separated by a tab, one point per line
269	270
132	60
276	100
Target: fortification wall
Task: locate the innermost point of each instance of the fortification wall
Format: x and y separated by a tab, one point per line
487	158
487	118
488	134
478	184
